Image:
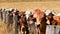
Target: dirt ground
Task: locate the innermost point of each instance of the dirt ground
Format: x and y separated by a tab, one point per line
53	5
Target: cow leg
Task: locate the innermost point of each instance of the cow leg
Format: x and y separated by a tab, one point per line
37	31
4	17
19	29
16	24
8	27
0	15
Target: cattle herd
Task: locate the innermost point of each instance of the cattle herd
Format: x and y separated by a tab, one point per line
29	22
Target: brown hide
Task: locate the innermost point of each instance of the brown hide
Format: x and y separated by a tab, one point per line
57	18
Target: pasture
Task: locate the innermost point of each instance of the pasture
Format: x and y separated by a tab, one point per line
3	29
53	5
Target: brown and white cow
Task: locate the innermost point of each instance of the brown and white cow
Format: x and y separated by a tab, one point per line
40	21
23	23
49	17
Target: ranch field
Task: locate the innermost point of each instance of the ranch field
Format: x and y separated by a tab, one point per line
3	29
53	5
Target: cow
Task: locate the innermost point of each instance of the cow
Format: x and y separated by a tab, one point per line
23	23
51	22
0	13
49	17
15	20
40	21
9	19
2	10
31	24
28	13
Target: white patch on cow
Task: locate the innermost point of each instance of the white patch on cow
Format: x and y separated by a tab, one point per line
50	11
28	13
48	22
53	13
7	10
10	9
15	9
37	23
31	22
3	9
58	14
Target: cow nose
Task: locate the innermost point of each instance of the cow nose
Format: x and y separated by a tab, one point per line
22	16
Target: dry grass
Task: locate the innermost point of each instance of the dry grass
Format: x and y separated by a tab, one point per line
54	5
3	29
